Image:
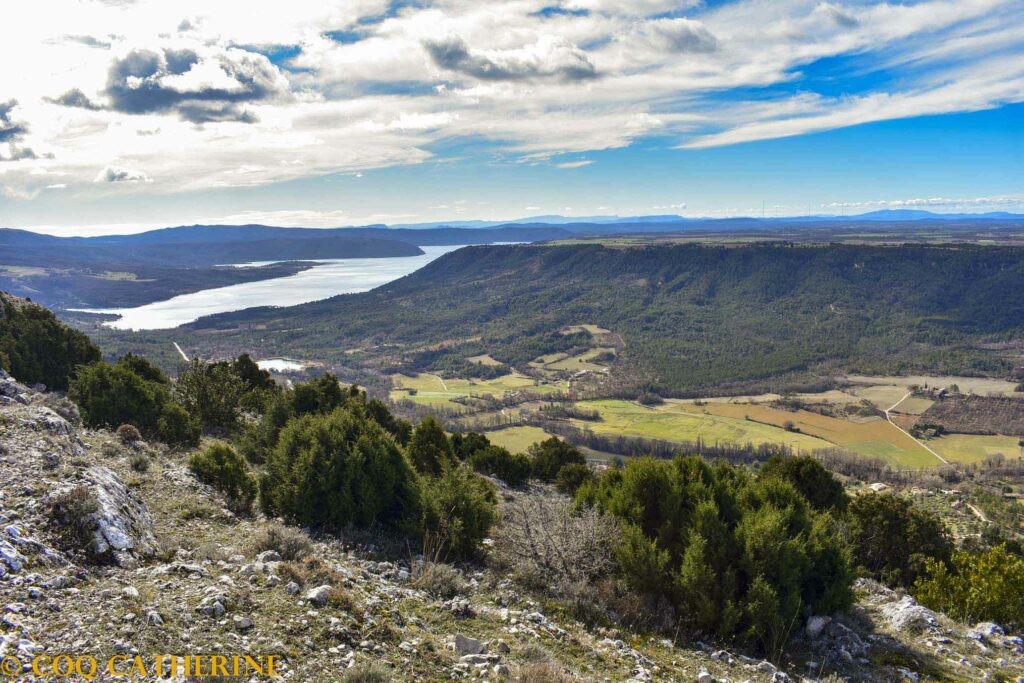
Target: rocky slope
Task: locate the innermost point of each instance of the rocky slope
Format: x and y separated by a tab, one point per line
152	562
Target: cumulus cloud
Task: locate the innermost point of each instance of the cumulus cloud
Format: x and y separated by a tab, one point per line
116	174
550	56
75	98
12	132
198	88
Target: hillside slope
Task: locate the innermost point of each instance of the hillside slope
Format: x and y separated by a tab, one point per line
692	317
188	578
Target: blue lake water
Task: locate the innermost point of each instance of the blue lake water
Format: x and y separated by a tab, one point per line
329	278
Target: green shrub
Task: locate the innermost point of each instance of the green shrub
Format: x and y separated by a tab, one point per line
465	445
429	449
223	469
177	428
139	462
254	378
737	557
571	477
893	540
37	348
316	397
143	368
821	489
340	470
550	456
459	508
111	395
496	461
988	586
211	393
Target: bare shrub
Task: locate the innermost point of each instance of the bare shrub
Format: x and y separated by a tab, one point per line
372	672
128	434
290	543
311	571
546	671
339	598
439	580
545	542
73	514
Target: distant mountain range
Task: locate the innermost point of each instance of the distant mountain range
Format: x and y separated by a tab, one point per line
307	243
883	215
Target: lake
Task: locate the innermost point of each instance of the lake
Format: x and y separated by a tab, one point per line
328	278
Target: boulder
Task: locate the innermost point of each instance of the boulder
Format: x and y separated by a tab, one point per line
817	624
989	629
465	645
318	595
48	420
124	527
907	615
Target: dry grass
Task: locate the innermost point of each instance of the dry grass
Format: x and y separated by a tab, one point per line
288	542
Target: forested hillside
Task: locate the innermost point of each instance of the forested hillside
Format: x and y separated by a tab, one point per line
692	317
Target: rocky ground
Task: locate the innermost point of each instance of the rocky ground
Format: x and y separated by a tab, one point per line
183	575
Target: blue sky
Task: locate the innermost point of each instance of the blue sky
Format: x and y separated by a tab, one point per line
136	115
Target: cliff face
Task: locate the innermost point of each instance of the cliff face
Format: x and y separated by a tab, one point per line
110	549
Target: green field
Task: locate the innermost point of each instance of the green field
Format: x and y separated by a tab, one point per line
433	390
580	362
968	448
517	439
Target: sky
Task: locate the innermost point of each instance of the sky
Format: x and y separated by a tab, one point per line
124	115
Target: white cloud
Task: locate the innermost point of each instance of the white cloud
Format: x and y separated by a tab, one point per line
116	174
574	164
1003	202
206	95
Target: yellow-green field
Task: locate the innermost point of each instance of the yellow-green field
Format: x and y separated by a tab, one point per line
680	421
873	438
592	329
517	439
913	405
436	391
580	362
884	396
968	448
757	424
483	359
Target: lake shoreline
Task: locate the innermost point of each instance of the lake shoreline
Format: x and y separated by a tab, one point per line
321	280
